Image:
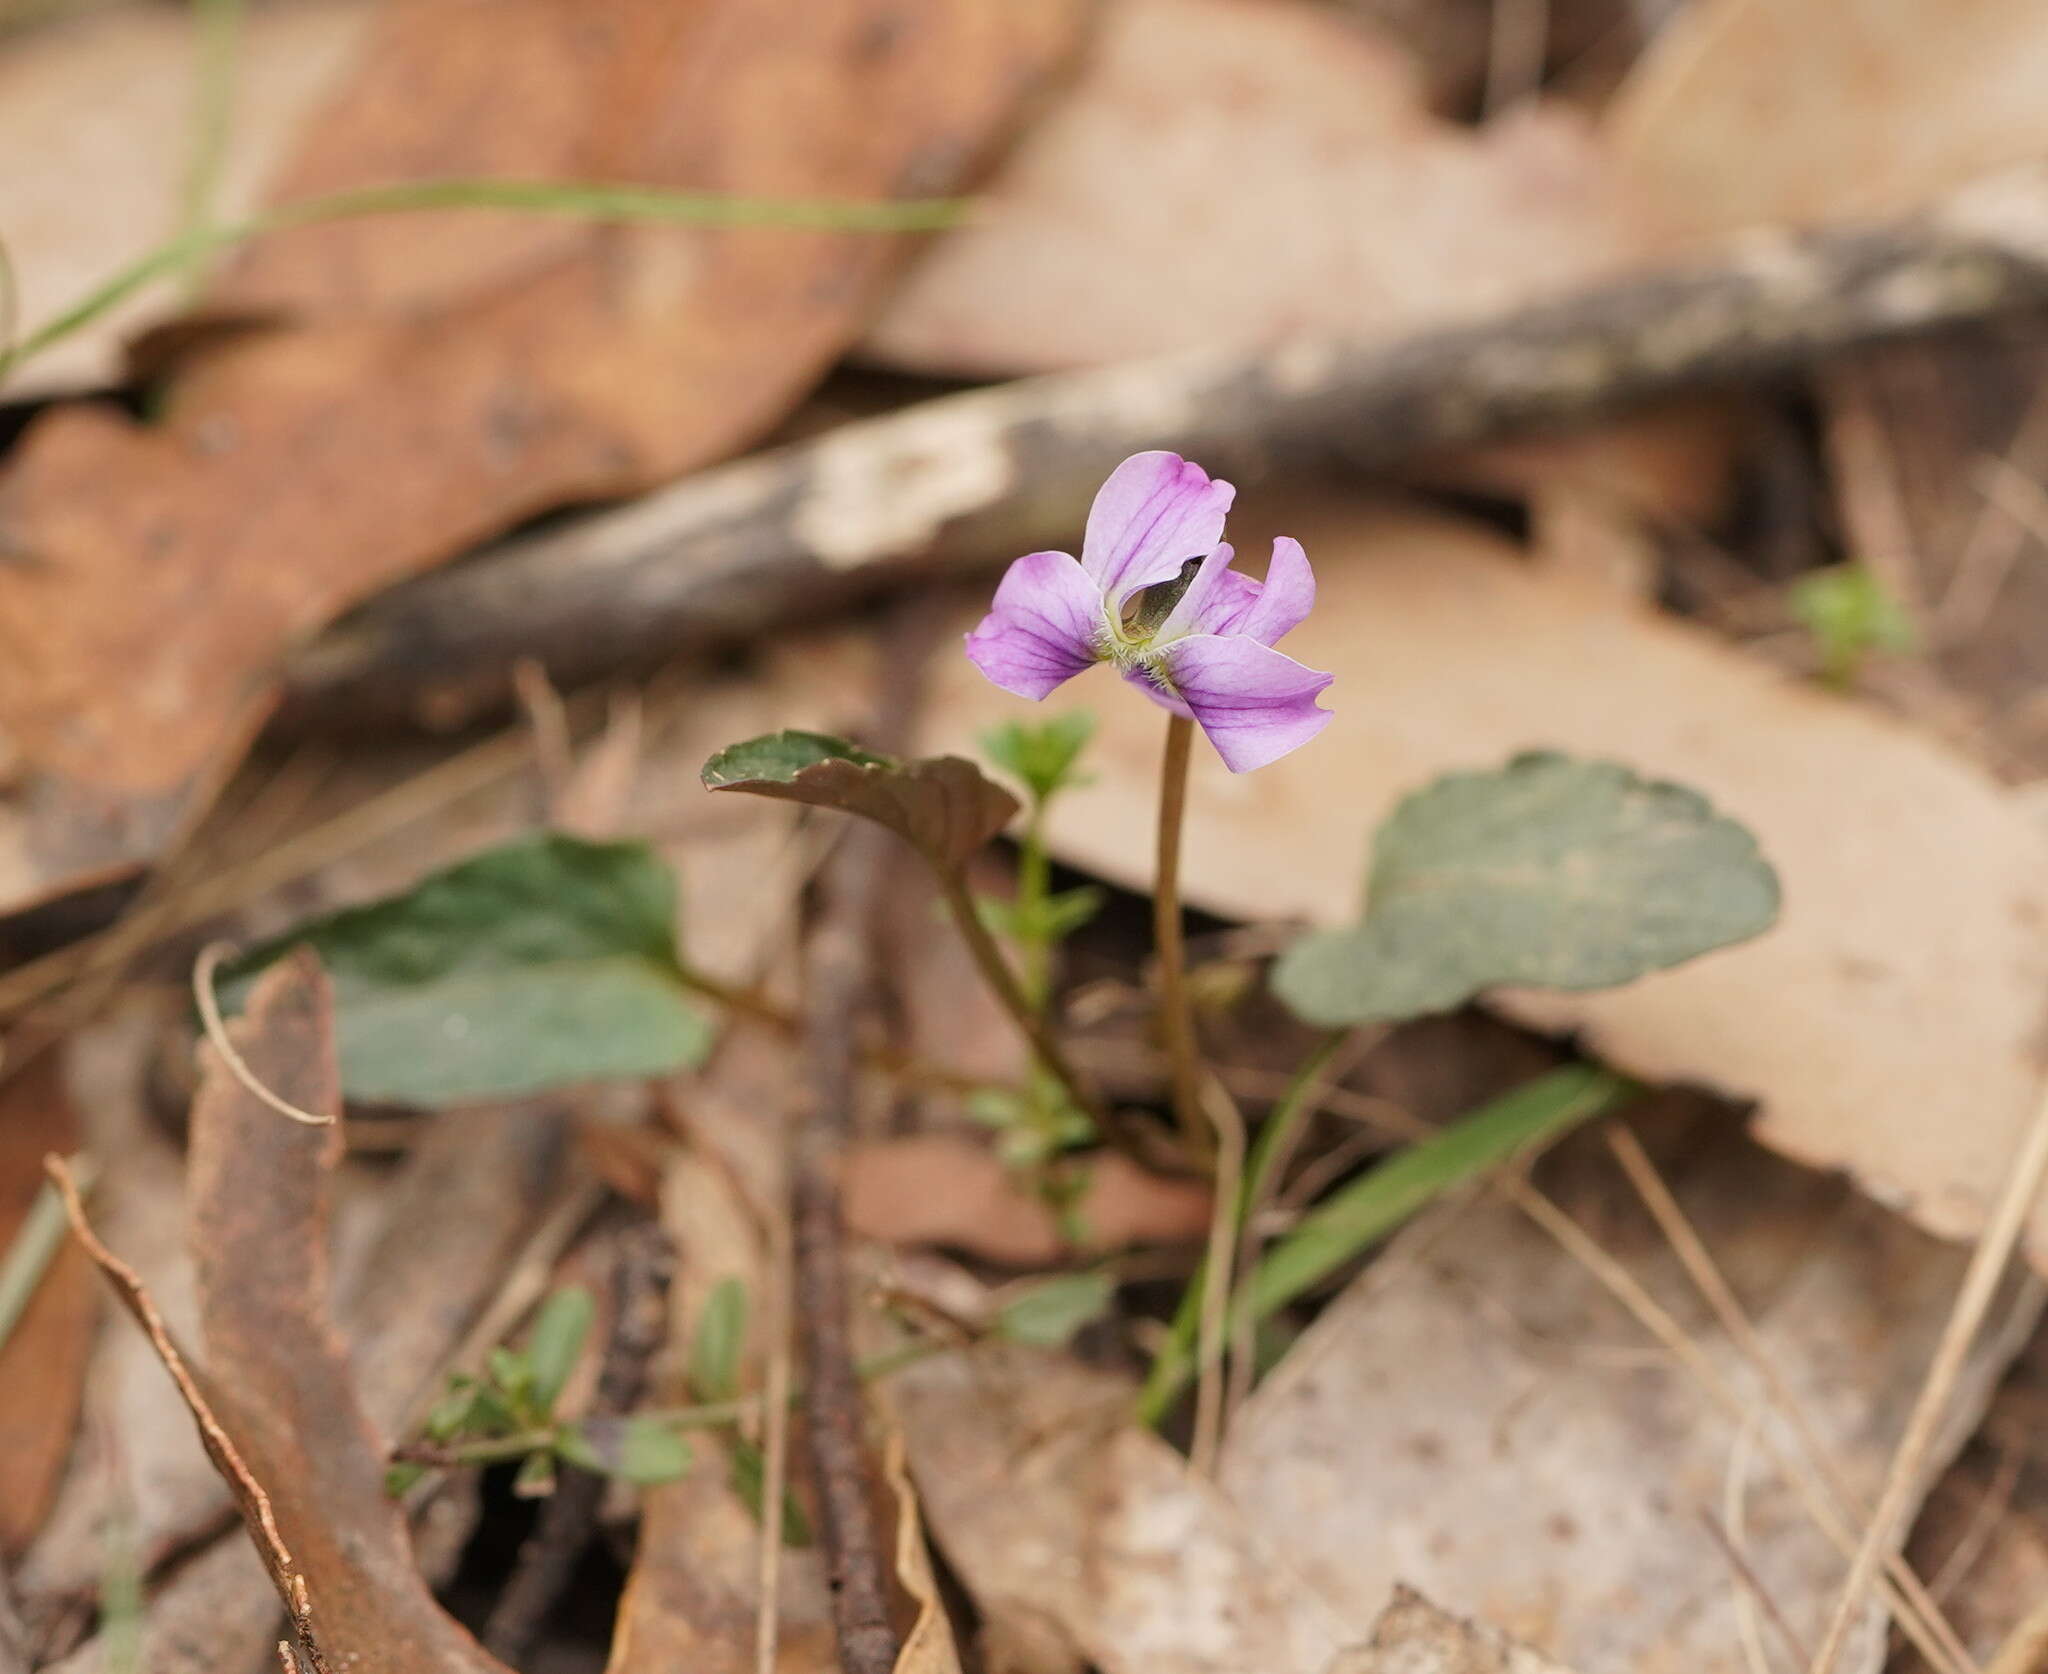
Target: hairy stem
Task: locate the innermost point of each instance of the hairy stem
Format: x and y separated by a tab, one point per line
1176	1020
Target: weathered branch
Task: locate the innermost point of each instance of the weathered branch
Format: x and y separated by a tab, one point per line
977	477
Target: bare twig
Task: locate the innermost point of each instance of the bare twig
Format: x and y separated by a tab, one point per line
838	976
749	546
641	1268
1980	1283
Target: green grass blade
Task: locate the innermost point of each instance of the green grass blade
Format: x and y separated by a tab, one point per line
1379	1202
591	202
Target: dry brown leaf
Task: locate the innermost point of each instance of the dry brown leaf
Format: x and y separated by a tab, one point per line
1413	1636
1477	1417
277	1369
1888	1025
1747	111
91	196
1045	1499
43	1361
1233	171
928	1645
437	378
950	1190
693	1592
274	1401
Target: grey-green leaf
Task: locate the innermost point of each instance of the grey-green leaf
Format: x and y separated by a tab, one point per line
1048	1315
943	805
638	1448
1548	873
538	964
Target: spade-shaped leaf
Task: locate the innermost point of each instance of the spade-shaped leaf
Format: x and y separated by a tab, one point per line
541	963
1548	873
943	805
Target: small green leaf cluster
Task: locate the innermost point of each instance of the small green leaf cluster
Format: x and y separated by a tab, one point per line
514	1403
1044	759
1852	616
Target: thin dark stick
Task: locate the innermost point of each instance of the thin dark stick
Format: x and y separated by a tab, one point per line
641	1268
839	973
738	551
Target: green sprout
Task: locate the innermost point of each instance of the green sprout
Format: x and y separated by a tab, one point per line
1851	615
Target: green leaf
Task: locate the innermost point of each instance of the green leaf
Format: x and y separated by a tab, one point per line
1548	873
536	1477
554	1343
1047	1315
1850	614
511	1374
750	1482
941	804
399	1478
1043	757
721	1334
1378	1202
538	964
640	1449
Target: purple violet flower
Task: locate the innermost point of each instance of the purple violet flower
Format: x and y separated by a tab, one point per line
1153	594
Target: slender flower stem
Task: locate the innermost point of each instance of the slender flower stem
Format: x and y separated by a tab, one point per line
1003	983
1176	1020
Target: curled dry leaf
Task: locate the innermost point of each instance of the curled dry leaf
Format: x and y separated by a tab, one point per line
274	1399
433	379
953	1191
944	806
43	1358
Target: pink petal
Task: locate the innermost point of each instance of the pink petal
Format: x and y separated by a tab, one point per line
1154	513
1042	628
1288	595
1221	600
1254	703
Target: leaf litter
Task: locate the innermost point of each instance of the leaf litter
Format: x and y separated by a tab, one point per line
1459	658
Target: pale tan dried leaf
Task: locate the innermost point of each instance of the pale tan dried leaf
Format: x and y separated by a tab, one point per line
1888	1025
1747	111
952	1190
1045	1498
91	192
1413	1636
1233	171
1477	1417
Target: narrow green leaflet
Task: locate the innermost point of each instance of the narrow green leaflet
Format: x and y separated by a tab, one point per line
555	1341
539	964
1379	1201
1548	873
943	805
721	1336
